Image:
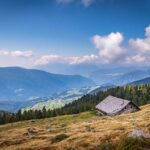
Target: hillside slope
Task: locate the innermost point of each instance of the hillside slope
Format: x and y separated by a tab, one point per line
84	131
63	98
18	85
119	76
132	76
143	81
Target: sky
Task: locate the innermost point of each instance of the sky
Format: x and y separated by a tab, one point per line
38	33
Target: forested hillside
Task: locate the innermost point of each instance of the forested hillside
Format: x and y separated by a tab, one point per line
139	94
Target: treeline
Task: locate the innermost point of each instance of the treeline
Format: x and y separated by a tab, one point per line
140	95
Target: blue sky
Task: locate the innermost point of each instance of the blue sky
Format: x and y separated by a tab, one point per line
39	32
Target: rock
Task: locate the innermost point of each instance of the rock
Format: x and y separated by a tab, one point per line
140	134
31	132
49	130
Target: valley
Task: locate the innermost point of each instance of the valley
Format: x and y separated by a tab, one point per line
29	88
59	100
22	87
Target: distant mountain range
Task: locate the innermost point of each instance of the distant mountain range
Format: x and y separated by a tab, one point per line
104	74
131	77
143	81
70	69
119	76
19	85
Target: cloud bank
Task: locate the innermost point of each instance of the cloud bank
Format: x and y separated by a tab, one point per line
142	45
16	58
110	50
16	53
109	46
44	60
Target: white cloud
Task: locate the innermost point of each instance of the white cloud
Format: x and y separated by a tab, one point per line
16	58
83	59
4	52
141	45
136	59
110	50
46	59
147	31
16	53
69	60
110	46
21	53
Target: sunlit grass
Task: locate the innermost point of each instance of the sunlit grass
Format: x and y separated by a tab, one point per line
79	131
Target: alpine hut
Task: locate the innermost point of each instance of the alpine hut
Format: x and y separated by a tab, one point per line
115	106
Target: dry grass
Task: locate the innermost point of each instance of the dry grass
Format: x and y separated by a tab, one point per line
72	132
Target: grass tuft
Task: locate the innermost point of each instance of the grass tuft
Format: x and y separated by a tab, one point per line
59	138
130	144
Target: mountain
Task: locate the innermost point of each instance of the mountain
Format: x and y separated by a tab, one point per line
119	76
66	97
108	74
70	69
143	81
131	77
59	100
18	85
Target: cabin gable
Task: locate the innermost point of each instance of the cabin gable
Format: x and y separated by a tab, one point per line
115	106
129	109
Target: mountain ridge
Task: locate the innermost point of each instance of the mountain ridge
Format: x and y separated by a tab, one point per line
20	84
142	81
119	76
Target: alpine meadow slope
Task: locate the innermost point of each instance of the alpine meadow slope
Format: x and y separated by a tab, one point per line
84	131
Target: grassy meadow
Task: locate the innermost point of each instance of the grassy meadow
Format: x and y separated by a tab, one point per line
85	131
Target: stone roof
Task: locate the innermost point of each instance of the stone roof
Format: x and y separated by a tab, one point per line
111	105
